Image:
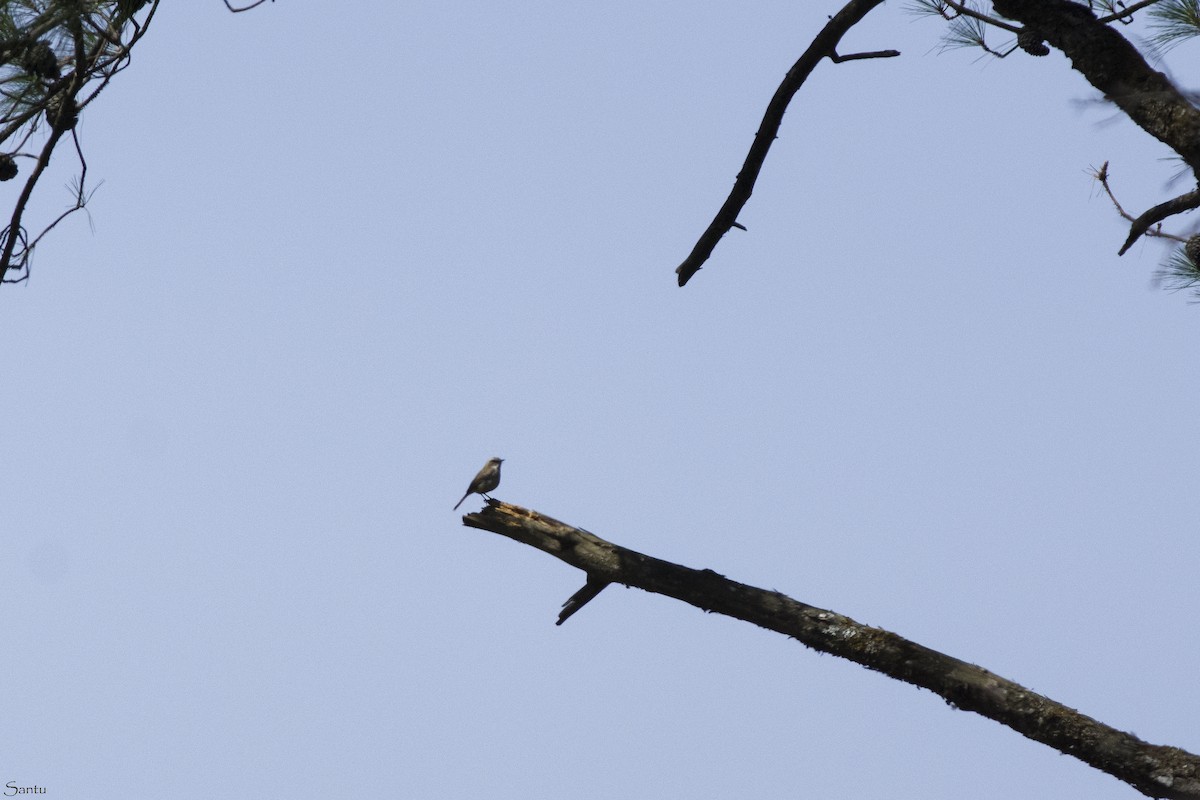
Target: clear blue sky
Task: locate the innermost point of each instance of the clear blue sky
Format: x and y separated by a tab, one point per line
340	257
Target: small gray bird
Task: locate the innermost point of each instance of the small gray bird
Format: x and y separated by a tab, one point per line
486	481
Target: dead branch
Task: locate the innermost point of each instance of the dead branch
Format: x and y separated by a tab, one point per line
1149	218
1141	225
825	44
1154	770
838	59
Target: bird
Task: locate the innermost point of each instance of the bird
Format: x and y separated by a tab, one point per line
486	481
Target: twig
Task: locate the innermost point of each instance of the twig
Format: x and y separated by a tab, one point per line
967	11
1127	12
1101	176
81	196
245	8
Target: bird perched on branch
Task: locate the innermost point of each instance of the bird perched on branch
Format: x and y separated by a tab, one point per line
486	481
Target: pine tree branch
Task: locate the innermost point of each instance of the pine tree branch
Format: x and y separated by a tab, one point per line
97	53
1154	770
1115	67
967	11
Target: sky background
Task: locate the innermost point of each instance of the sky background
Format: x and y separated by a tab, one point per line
342	255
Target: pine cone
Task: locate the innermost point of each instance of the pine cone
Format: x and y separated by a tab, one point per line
8	167
1192	250
61	112
40	59
1031	43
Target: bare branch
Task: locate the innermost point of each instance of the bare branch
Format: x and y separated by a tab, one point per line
835	58
1176	205
825	44
82	196
593	587
1154	770
1101	176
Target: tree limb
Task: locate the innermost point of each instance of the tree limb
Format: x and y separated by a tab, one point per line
825	44
1115	67
1154	770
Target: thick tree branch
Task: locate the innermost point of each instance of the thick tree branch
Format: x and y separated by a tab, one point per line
1116	68
825	44
1154	770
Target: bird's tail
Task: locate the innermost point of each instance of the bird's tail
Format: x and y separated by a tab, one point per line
460	502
